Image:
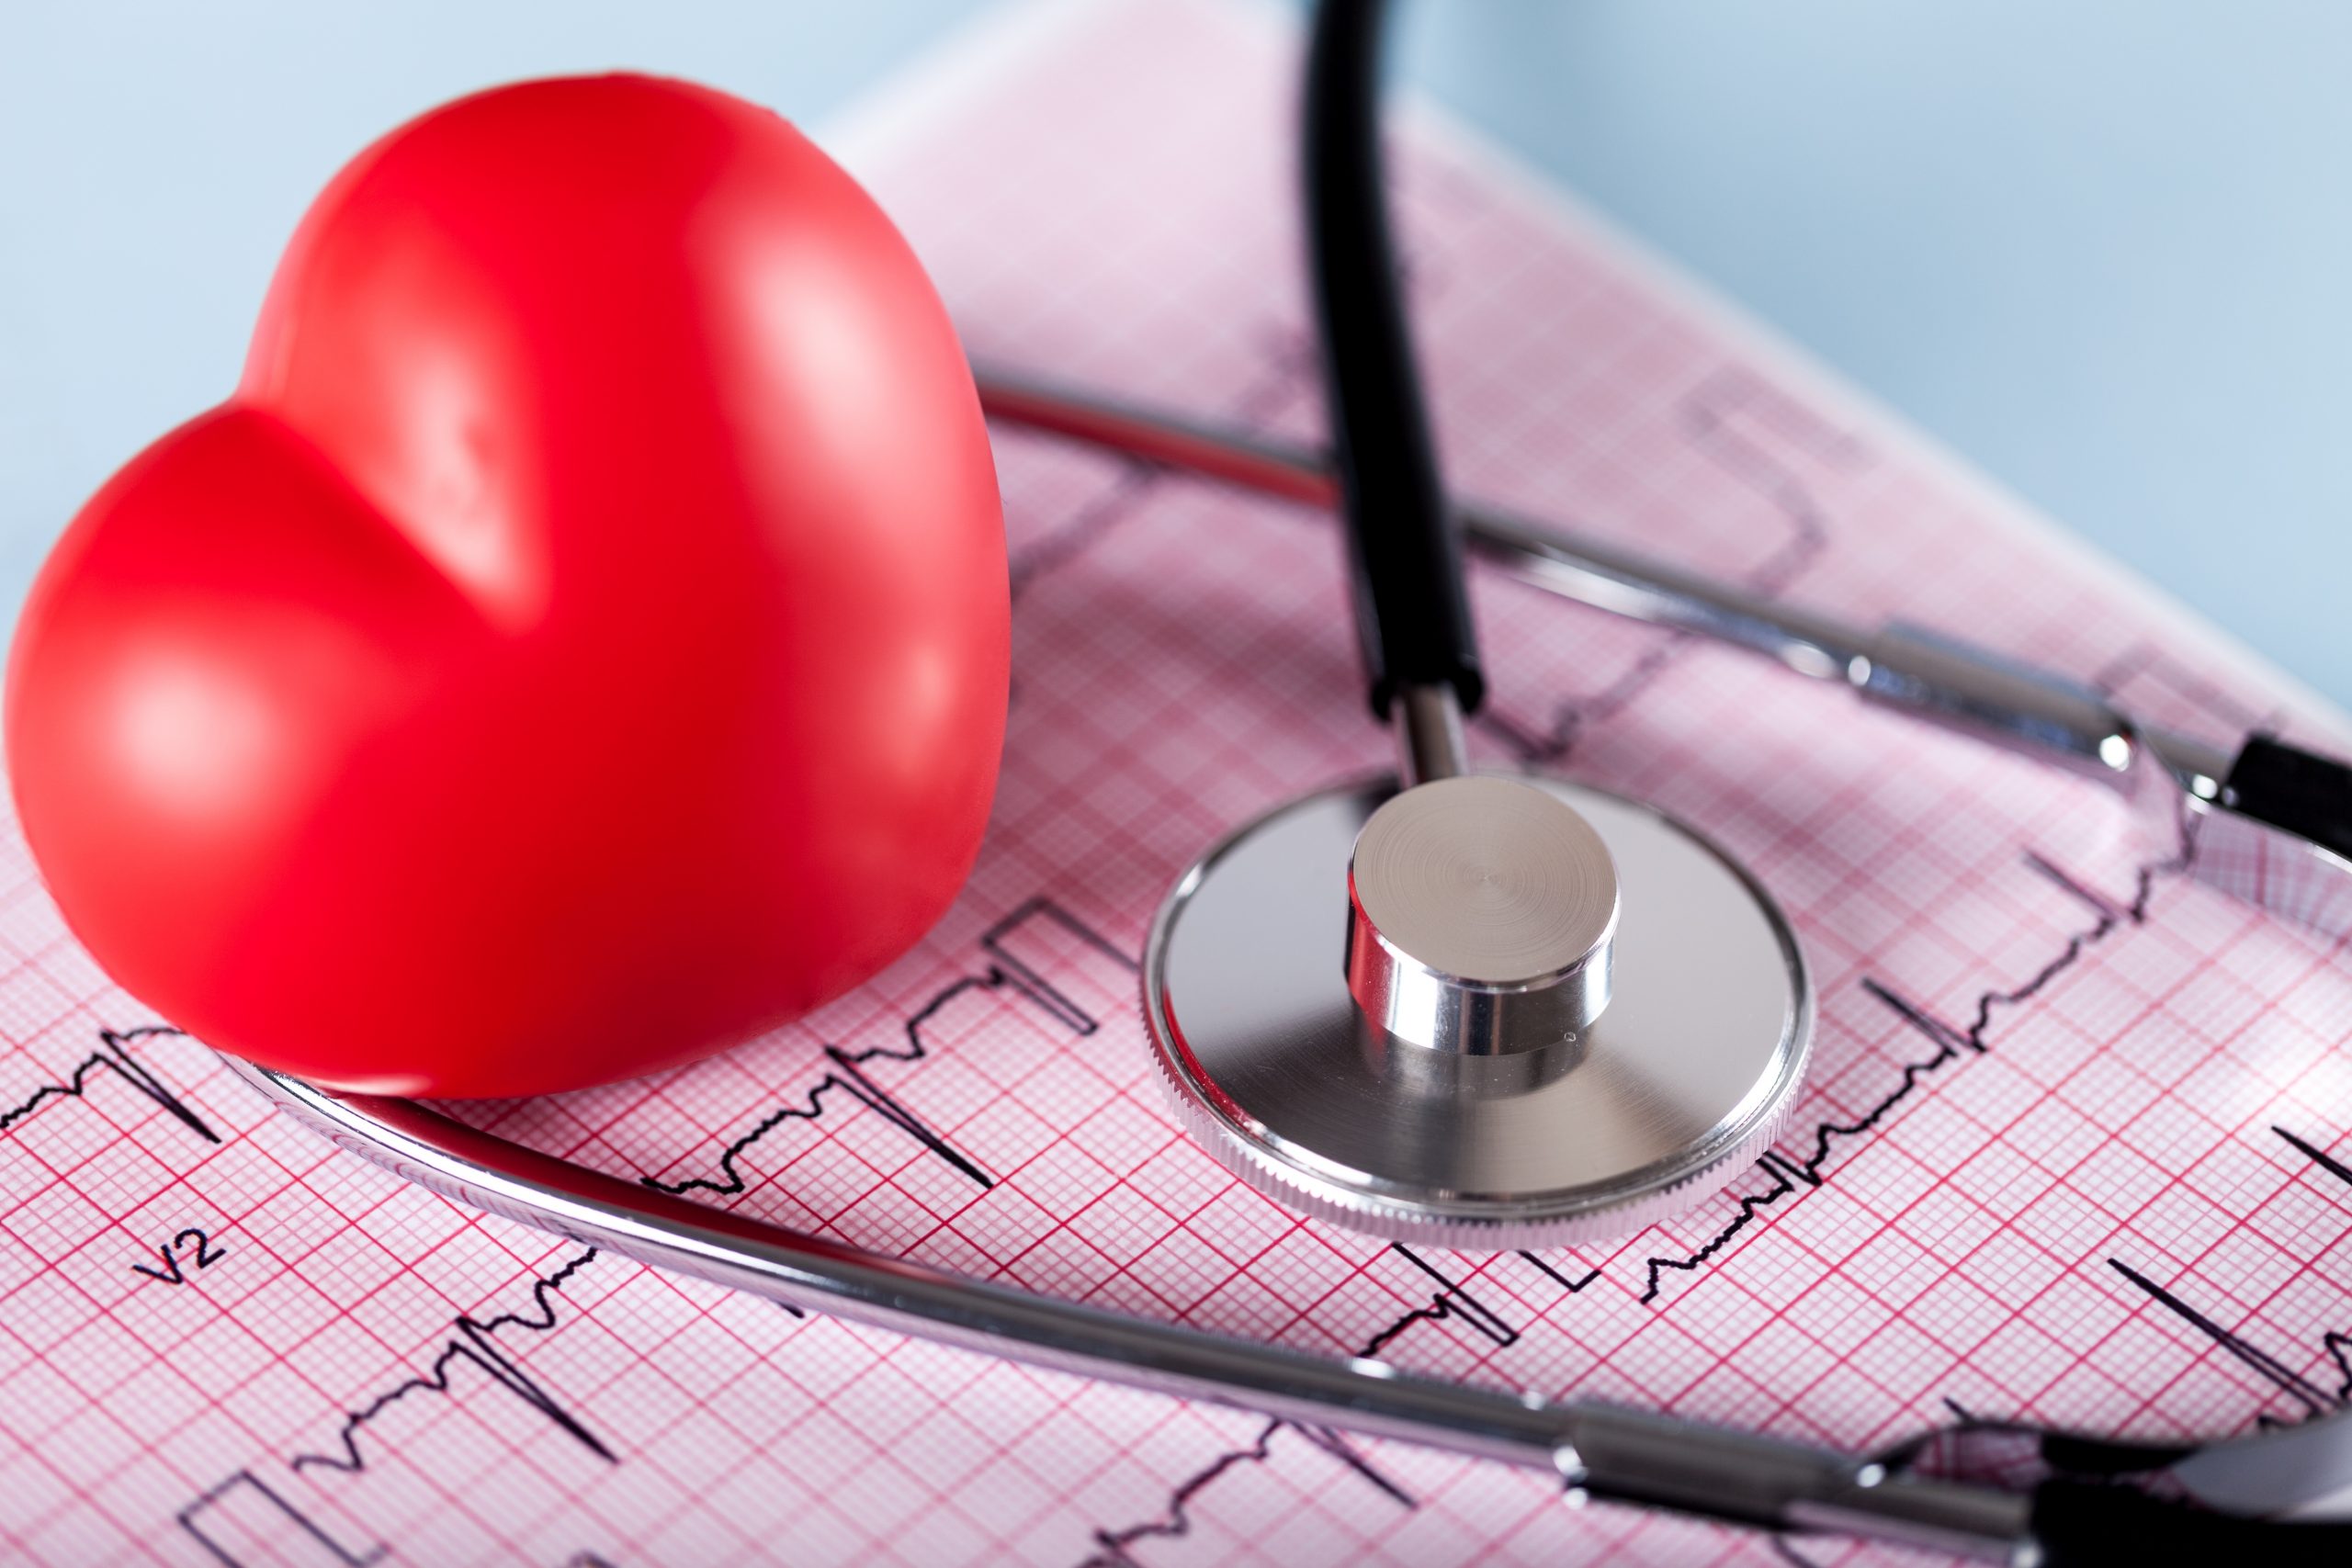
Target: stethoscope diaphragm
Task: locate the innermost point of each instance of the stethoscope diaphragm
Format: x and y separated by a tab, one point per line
1682	1078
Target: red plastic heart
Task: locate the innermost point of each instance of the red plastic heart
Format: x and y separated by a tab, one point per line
579	644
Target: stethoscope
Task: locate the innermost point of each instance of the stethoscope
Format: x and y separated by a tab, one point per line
1499	1011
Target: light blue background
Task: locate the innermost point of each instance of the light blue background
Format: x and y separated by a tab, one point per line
2100	247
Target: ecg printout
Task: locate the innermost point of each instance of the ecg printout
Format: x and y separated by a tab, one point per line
2074	1150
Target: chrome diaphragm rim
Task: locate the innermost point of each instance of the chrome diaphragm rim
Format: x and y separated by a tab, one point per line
1685	1078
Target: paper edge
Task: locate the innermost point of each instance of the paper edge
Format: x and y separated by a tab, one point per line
947	73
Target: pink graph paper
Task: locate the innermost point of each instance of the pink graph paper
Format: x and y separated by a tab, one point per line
2071	1153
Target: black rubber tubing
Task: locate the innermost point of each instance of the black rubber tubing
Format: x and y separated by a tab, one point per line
2086	1525
1412	615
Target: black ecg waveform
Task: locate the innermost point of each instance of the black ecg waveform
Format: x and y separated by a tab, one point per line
1291	369
2337	1344
1706	418
2318	1157
847	1076
1574	1287
1176	1519
1453	1299
471	1343
1336	1444
191	1519
113	1055
1952	1043
2314	1399
473	1340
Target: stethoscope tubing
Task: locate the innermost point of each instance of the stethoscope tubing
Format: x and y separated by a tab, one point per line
1599	1451
1412	608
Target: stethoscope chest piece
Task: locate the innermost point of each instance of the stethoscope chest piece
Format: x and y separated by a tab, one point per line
1485	1012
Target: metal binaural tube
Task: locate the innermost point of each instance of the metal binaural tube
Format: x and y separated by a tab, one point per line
1631	1456
1429	745
1573	566
1599	1450
1916	672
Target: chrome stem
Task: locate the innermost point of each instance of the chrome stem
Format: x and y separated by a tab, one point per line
1429	743
1899	666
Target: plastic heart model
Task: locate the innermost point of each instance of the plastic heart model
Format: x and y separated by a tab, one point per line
579	644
